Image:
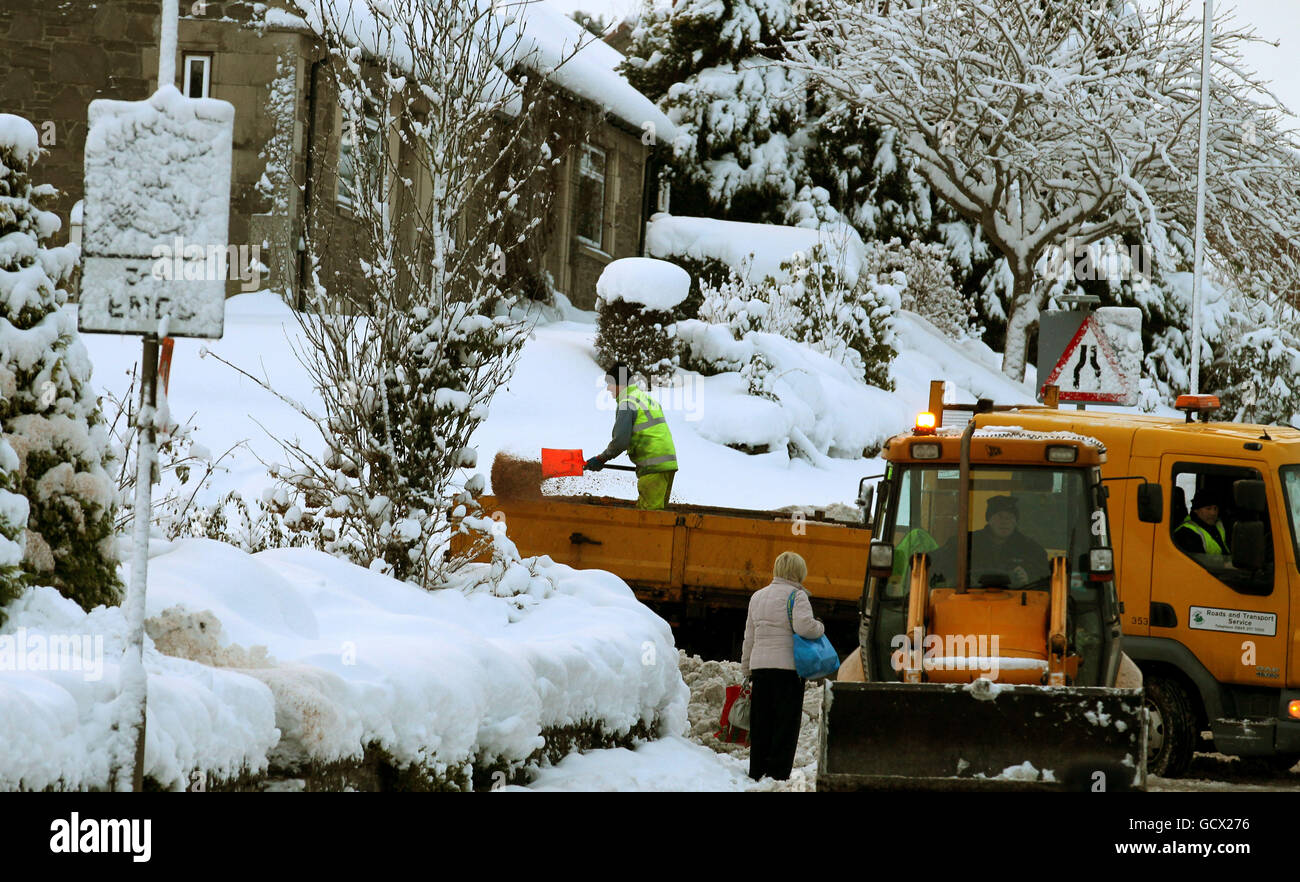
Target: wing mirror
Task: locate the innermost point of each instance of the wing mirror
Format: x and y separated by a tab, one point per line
1151	503
880	560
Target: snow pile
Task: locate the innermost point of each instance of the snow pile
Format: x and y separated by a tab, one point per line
337	658
653	284
60	675
695	763
806	400
708	682
667	765
755	251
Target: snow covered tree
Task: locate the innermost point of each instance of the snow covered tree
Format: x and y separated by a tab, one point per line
13	526
1040	122
759	143
450	149
753	142
48	411
1256	373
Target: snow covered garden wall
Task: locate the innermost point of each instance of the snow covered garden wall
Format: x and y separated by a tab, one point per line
294	664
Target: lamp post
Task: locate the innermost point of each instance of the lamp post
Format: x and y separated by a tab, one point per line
1198	275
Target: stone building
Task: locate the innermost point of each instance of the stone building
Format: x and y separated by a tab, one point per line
291	157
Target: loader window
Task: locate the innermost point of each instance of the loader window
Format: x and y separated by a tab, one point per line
1019	519
1204	518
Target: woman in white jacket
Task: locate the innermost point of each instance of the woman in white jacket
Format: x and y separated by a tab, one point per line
767	658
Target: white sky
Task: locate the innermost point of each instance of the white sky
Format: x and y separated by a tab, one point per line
1276	20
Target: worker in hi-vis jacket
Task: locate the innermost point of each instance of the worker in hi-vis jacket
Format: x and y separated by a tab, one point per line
641	430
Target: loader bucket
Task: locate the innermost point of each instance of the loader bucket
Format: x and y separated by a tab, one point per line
931	736
562	463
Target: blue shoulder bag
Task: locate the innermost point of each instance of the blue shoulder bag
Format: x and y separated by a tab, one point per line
813	659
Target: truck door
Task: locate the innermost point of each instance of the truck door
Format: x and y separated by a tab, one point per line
1233	620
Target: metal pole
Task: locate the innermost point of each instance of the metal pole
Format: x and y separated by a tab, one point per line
167	44
134	680
1198	275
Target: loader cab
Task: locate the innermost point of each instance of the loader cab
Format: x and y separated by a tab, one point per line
1031	500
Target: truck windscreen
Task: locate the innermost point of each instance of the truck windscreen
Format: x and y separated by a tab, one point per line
1020	518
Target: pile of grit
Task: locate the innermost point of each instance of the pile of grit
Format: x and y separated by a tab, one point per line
708	682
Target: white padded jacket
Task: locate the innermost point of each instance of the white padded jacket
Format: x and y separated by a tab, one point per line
769	642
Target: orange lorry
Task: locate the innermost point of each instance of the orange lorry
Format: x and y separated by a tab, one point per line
694	565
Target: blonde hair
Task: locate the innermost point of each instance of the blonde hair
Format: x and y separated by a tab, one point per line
790	566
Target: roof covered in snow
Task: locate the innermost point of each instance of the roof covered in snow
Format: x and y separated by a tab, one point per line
552	44
758	249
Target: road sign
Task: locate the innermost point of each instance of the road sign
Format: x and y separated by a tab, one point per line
1092	367
157	210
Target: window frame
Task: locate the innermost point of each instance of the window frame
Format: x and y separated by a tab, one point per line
207	59
1233	472
601	178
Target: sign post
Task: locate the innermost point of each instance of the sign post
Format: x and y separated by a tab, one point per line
157	203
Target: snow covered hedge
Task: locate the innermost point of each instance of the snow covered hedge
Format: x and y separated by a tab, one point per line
636	300
291	660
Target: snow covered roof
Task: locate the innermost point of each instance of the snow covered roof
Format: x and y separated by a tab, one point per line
758	248
589	69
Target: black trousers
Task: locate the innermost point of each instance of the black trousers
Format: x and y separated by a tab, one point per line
776	710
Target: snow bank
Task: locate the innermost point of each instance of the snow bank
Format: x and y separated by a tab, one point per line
57	707
755	251
813	401
302	657
654	284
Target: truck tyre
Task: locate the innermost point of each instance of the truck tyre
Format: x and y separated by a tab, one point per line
1172	735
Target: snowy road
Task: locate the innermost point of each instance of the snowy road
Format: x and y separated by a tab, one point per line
700	762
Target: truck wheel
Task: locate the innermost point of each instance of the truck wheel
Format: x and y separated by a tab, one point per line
1172	734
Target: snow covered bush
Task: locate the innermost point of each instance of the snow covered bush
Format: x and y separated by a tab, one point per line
13	524
635	301
48	410
1256	372
851	320
930	290
833	308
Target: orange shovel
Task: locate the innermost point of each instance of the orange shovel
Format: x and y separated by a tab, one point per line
569	463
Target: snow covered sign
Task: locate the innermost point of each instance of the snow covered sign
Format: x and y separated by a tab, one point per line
1100	364
157	208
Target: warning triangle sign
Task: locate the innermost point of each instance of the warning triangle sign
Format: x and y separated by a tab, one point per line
1089	369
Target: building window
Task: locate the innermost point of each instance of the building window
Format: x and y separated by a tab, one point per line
359	151
590	202
198	75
